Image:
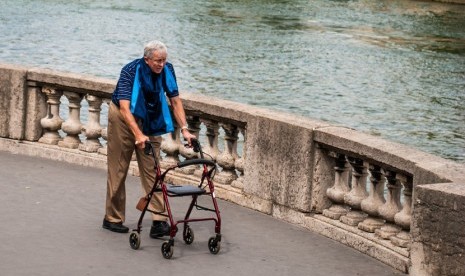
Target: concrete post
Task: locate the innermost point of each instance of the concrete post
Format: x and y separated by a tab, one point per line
327	185
36	110
438	235
13	94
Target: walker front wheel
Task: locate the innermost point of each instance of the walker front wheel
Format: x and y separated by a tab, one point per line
134	240
167	250
214	245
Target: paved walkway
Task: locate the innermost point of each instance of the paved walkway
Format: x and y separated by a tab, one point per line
52	212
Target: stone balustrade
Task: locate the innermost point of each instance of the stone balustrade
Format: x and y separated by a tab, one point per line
72	133
372	198
349	186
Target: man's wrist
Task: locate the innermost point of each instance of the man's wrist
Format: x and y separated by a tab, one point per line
183	128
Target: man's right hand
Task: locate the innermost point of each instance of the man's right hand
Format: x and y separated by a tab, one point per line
140	138
140	141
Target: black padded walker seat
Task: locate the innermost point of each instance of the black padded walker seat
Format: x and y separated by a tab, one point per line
182	190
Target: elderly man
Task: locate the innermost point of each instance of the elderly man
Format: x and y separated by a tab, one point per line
136	116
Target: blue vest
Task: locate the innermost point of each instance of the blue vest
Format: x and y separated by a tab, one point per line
150	105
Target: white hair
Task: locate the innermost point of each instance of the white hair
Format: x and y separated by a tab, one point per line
153	46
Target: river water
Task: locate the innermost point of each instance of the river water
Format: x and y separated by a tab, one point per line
395	69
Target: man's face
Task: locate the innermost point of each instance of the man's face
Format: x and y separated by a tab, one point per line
157	61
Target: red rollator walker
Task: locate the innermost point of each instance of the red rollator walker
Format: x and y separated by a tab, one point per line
205	187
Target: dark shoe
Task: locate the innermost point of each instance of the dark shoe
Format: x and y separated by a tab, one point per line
117	227
159	229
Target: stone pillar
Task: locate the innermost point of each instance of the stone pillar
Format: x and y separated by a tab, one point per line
340	188
390	208
323	178
170	146
211	147
357	193
438	235
103	149
228	156
239	164
72	126
13	101
193	125
404	217
36	109
92	130
52	121
374	201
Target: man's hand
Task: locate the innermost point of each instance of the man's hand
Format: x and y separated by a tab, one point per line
139	137
140	141
187	135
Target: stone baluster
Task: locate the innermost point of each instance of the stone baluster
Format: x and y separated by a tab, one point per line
239	164
227	158
52	122
72	126
211	147
340	188
193	125
374	201
92	130
170	146
103	149
390	208
357	193
404	217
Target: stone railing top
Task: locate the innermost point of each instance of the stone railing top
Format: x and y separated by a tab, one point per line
239	112
446	188
15	67
72	82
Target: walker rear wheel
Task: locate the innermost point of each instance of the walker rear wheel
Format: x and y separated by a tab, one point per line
167	250
134	240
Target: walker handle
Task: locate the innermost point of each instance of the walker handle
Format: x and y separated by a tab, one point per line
196	145
196	162
148	148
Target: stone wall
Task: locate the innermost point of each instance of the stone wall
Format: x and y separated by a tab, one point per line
288	166
438	230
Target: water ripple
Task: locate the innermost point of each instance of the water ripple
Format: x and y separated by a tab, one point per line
390	68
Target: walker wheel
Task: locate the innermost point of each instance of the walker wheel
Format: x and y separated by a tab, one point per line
167	250
214	245
134	240
188	235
